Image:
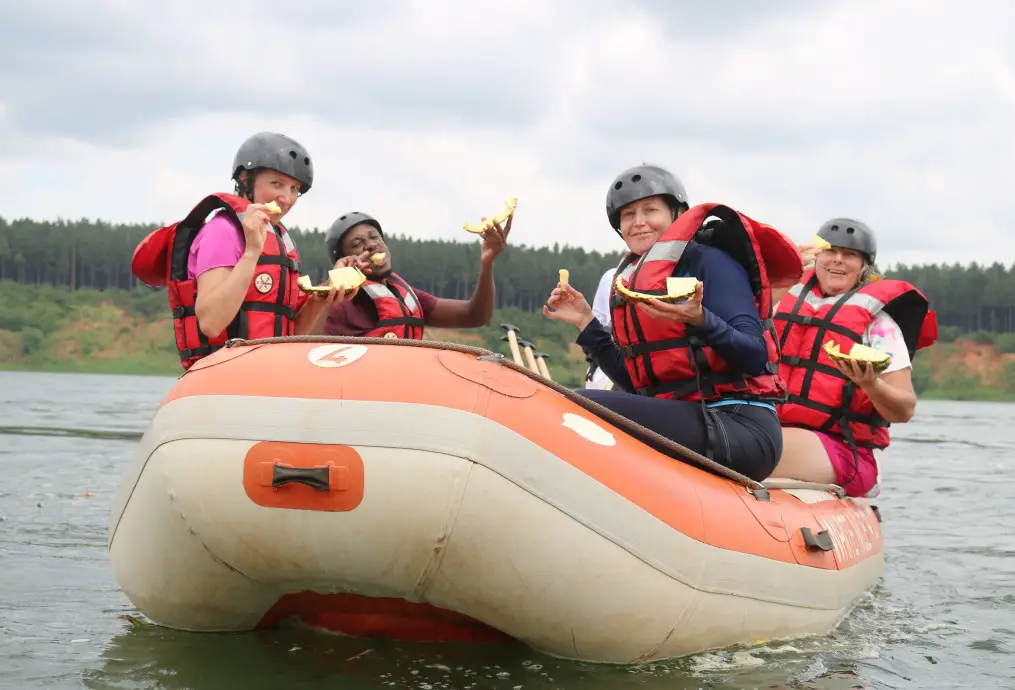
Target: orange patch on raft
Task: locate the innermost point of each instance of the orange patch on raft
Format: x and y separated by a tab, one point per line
397	619
702	505
340	466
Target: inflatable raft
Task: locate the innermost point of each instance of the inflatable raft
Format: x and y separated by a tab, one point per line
431	491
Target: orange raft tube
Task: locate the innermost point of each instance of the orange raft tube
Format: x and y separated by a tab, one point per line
430	491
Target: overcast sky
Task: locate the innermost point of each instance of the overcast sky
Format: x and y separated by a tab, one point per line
429	113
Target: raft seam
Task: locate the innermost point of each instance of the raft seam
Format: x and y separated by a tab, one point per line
190	528
433	565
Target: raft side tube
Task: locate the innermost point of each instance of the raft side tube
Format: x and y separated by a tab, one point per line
457	511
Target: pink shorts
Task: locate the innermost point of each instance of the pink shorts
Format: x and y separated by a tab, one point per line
856	477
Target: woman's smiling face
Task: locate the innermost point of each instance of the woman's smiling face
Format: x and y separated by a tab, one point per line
643	221
838	270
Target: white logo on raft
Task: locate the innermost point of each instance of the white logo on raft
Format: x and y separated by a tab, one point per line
853	534
588	430
263	282
332	356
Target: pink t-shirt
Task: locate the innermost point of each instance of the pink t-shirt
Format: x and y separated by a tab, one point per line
219	243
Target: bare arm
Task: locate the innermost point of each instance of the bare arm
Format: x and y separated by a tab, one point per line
310	318
893	396
471	313
220	293
477	311
779	293
313	315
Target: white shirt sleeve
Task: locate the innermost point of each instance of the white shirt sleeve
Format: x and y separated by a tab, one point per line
885	335
601	302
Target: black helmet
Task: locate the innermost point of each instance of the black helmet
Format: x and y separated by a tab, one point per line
345	222
275	152
850	234
641	182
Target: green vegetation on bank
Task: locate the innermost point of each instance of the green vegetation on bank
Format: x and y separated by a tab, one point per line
130	332
97	255
977	367
87	255
68	302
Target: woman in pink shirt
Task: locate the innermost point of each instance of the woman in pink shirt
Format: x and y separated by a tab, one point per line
224	254
230	265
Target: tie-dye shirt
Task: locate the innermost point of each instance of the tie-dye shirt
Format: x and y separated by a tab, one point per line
884	334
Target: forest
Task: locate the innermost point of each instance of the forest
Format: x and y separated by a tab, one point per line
95	255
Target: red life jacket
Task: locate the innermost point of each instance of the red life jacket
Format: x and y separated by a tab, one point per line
819	396
399	314
269	308
662	360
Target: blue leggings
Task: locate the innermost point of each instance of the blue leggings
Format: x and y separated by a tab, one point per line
748	437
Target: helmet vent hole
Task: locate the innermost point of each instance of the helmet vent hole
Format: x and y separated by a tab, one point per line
850	231
342	218
618	185
306	160
292	154
636	178
835	228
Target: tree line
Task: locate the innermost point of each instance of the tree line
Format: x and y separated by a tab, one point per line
97	255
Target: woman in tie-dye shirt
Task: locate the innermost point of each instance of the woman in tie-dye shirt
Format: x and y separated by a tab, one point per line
812	452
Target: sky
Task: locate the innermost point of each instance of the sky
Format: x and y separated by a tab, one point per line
429	113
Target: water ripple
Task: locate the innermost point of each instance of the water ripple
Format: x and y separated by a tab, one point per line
104	434
940	618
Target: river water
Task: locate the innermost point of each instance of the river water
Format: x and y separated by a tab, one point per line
943	617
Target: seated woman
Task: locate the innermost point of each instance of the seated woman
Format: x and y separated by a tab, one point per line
231	267
836	414
703	372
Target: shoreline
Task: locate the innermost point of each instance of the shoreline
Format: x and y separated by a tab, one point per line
72	367
135	368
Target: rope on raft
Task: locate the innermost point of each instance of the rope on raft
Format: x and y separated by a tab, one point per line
609	415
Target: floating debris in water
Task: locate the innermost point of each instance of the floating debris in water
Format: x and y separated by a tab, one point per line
135	621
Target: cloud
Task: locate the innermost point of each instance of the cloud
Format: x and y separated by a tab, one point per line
426	113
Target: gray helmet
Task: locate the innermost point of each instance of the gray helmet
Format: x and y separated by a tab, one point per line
850	234
345	222
640	182
275	152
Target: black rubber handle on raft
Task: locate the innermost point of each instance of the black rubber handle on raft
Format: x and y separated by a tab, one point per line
315	477
822	540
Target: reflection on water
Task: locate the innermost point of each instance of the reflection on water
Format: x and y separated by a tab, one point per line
297	658
943	616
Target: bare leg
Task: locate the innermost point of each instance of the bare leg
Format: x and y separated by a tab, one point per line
804	457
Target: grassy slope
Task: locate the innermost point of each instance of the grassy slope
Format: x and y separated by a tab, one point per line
124	333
